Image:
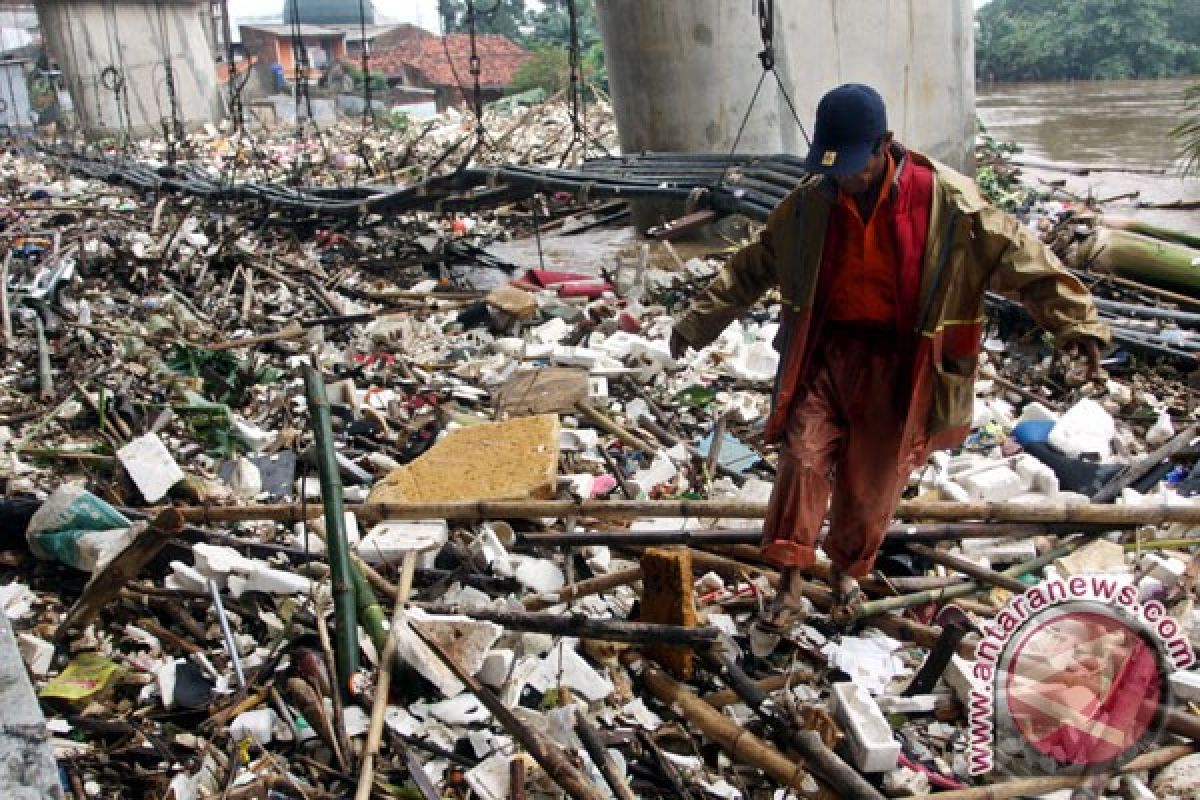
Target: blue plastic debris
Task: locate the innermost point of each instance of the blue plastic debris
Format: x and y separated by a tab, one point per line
734	455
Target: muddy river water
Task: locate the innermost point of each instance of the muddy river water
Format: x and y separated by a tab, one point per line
1112	124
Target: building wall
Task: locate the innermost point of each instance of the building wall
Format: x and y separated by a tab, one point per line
87	36
682	72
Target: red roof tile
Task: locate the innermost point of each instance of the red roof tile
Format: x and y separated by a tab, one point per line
499	59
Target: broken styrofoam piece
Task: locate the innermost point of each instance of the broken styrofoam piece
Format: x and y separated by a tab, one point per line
1161	431
1166	570
1036	475
905	782
464	709
150	466
1096	557
249	434
37	653
493	552
389	541
757	363
491	779
578	439
999	551
269	581
870	661
185	577
1185	686
258	725
959	678
662	470
916	704
218	561
495	669
871	745
1085	428
563	666
996	485
538	574
245	479
465	640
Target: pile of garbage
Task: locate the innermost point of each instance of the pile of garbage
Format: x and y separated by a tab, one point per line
317	511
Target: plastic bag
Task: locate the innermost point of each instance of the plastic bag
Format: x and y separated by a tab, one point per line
79	529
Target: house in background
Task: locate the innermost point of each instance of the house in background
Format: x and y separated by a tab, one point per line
271	49
426	61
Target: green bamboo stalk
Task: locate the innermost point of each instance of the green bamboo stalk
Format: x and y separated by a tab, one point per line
903	601
370	613
1141	257
1161	544
346	635
1155	231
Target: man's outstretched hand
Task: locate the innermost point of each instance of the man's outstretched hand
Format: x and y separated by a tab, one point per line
678	345
1087	348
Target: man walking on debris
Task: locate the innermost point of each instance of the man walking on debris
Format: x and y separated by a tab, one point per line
882	261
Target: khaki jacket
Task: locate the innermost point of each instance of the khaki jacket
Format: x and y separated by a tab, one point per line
971	246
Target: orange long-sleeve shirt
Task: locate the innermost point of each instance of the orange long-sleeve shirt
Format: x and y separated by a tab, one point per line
863	259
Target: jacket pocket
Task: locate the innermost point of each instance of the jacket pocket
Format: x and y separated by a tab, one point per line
952	401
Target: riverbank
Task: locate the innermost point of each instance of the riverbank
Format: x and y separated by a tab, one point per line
1098	139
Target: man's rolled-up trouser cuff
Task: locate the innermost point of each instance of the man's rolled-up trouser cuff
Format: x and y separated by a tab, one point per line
857	569
788	554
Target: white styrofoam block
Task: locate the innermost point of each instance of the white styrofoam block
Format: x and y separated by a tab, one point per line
959	679
995	485
151	467
870	742
1085	428
1185	685
917	704
1036	475
999	551
563	666
1166	571
389	541
496	666
1035	411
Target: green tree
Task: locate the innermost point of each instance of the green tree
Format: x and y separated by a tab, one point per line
552	24
1086	39
549	68
506	17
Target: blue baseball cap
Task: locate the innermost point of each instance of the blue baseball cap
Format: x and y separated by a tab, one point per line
850	120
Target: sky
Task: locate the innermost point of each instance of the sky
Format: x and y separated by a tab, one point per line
418	12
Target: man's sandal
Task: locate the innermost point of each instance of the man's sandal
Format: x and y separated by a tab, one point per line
847	595
780	618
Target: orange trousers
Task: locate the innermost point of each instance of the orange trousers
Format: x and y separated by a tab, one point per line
841	452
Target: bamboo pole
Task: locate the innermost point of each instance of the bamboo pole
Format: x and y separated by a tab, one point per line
345	611
603	421
727	697
968	568
585	627
600	757
547	753
1091	514
370	613
735	739
604	583
808	743
871	608
387	659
